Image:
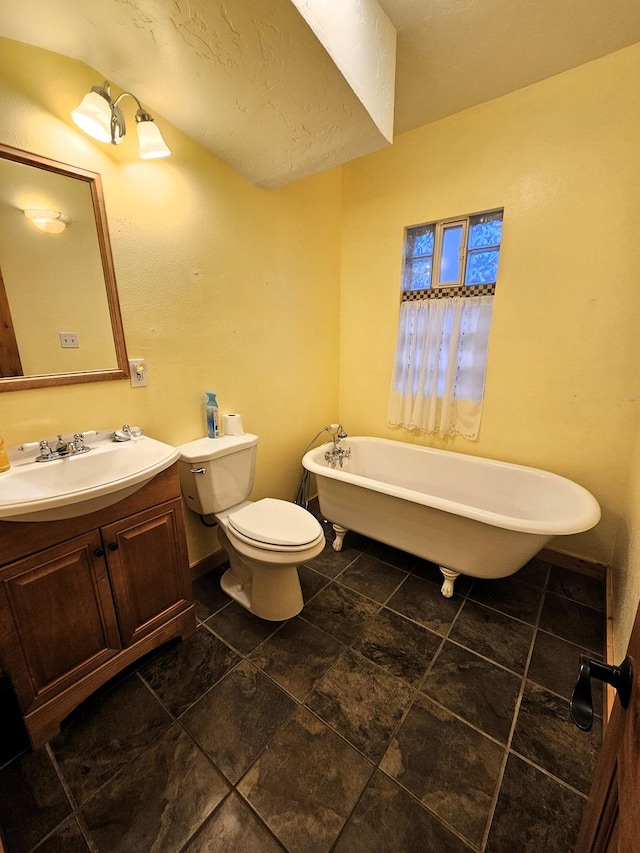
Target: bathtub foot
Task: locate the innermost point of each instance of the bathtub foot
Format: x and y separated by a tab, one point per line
340	534
449	578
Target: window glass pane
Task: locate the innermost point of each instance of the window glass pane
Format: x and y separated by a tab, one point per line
482	267
485	230
450	260
420	241
417	274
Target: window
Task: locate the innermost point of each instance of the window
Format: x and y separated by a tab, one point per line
456	252
449	278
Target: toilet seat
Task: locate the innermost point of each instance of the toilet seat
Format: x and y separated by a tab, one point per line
275	525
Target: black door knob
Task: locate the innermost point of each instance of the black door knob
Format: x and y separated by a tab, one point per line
99	552
620	677
113	546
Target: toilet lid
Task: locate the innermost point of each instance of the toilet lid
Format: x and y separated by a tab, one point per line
275	522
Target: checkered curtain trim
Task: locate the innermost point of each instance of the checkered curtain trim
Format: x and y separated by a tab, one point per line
447	292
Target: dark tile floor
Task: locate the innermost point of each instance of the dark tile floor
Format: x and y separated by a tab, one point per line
383	718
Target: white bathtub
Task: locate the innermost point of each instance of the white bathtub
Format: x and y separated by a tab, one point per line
468	514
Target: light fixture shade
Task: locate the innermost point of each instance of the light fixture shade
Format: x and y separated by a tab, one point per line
93	115
49	221
150	140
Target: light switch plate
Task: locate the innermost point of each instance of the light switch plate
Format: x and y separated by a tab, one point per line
69	340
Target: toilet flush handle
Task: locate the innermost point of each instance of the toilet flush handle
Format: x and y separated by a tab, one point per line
198	470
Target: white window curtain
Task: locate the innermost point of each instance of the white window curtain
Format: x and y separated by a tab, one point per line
441	357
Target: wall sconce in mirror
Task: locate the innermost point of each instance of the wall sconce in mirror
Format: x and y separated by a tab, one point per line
49	221
101	117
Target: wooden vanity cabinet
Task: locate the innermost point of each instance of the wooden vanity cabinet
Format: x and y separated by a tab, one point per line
81	599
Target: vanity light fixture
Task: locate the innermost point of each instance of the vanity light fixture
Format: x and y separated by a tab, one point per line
49	221
101	117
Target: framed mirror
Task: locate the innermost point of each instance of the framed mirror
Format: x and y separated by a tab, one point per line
60	319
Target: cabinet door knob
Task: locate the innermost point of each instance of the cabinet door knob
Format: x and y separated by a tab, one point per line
113	546
99	552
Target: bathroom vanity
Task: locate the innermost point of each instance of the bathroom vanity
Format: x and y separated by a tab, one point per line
82	598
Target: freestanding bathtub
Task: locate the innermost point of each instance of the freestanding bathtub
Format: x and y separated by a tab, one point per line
468	514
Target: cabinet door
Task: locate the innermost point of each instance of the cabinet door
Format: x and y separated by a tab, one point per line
149	569
58	617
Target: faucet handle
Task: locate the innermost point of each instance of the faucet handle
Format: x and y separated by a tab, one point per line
45	451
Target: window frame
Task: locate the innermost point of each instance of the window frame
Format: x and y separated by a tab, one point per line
437	289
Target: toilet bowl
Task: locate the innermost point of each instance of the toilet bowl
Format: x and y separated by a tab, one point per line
263	574
265	540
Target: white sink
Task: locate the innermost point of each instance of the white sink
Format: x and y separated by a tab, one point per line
77	485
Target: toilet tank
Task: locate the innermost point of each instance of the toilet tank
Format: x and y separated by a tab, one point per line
224	469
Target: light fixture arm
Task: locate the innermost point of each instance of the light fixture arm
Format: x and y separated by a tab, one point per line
124	95
141	114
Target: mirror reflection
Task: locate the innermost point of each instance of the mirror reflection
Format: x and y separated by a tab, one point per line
59	314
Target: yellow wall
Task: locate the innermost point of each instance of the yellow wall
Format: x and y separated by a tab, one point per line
563	383
626	561
238	290
223	286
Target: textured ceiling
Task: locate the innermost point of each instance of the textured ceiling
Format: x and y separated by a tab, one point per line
453	54
250	80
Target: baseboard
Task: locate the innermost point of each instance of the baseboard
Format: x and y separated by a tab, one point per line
206	564
573	563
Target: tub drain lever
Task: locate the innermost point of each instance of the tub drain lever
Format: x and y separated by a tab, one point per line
581	704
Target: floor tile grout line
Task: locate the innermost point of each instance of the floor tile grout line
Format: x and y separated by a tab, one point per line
537	630
173	719
494	609
470	844
415	691
199	828
368	597
73	803
484	657
78	806
234	785
548	773
377	765
516	714
237	650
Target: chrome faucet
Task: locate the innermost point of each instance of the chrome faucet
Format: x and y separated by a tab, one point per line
63	448
338	455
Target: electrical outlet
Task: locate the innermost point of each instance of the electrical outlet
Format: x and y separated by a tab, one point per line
139	370
68	340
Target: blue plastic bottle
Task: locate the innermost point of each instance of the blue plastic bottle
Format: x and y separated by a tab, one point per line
213	417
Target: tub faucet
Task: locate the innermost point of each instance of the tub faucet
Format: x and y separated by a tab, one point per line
338	455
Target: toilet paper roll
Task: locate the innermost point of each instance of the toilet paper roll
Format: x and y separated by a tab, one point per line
232	424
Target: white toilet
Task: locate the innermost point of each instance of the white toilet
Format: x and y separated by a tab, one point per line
266	540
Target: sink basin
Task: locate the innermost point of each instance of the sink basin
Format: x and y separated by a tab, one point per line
77	485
